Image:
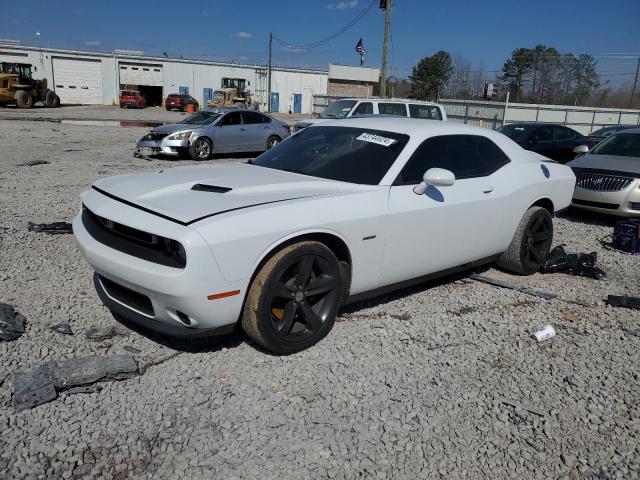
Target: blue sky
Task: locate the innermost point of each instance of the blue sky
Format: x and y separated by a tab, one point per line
480	31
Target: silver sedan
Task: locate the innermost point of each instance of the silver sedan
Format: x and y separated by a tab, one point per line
608	177
218	131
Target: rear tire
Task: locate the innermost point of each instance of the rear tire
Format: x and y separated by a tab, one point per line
272	142
531	243
201	149
294	299
23	99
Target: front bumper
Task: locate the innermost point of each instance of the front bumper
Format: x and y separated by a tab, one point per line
177	298
164	146
623	203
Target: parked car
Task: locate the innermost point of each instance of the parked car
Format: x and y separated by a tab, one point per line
202	134
604	132
340	210
553	141
608	177
132	98
353	107
178	101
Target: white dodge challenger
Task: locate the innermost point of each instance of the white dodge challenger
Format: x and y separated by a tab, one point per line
339	211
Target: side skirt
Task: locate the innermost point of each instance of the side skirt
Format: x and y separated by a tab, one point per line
418	280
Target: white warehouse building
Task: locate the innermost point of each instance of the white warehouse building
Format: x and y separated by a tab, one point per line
80	77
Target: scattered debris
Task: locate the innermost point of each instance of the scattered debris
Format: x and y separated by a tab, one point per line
54	228
138	154
224	375
131	349
72	150
84	389
2	379
33	388
626	236
33	163
570	316
11	323
63	328
99	334
519	288
518	406
621	301
545	334
579	264
42	383
87	370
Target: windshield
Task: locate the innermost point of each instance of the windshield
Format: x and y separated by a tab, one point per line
354	155
338	109
620	144
517	133
201	118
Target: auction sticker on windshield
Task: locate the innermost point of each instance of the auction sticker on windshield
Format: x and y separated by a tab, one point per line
380	140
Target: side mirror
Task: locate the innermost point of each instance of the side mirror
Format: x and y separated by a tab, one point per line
581	149
438	177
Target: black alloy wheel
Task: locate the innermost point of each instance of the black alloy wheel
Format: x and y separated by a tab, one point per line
294	299
537	242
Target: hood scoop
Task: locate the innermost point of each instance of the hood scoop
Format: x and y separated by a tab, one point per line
201	187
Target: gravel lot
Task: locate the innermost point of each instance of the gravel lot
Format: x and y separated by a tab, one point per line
439	381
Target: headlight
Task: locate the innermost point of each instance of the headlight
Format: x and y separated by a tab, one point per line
179	136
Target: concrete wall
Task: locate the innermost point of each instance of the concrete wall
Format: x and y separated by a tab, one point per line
196	75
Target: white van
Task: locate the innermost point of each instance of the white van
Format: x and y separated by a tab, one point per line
352	107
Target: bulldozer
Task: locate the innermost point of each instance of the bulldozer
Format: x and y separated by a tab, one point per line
18	86
232	93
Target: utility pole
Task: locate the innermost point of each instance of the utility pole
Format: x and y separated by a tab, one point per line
635	83
269	75
385	46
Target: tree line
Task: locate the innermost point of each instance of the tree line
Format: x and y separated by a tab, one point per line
532	75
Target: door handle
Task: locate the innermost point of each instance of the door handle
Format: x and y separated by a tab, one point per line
243	129
487	189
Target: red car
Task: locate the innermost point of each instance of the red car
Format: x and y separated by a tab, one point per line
180	101
132	98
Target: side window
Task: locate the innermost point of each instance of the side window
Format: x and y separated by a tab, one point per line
252	117
392	109
563	133
467	156
544	134
427	112
365	108
232	118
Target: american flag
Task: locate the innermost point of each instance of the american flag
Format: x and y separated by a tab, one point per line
360	47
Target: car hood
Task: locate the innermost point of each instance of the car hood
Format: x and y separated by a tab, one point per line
173	127
607	162
221	189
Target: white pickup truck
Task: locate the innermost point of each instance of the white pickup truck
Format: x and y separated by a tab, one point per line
353	107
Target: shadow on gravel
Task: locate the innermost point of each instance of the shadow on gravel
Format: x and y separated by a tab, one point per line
588	218
187	345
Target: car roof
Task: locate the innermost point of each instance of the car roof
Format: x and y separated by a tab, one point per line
631	130
390	100
398	124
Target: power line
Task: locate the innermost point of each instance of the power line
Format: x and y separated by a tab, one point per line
330	37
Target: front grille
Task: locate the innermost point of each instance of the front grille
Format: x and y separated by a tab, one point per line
601	182
134	242
634	205
155	136
587	203
128	297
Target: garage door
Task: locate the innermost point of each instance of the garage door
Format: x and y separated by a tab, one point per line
140	74
78	80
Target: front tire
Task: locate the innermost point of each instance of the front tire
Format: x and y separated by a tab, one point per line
23	99
51	100
201	149
531	243
294	299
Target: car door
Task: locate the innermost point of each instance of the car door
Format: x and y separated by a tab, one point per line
447	226
565	140
229	135
256	130
542	141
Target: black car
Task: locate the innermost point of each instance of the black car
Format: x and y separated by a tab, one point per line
554	141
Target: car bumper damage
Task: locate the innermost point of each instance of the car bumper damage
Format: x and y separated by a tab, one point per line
133	282
164	146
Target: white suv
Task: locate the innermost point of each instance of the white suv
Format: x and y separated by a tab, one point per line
353	107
